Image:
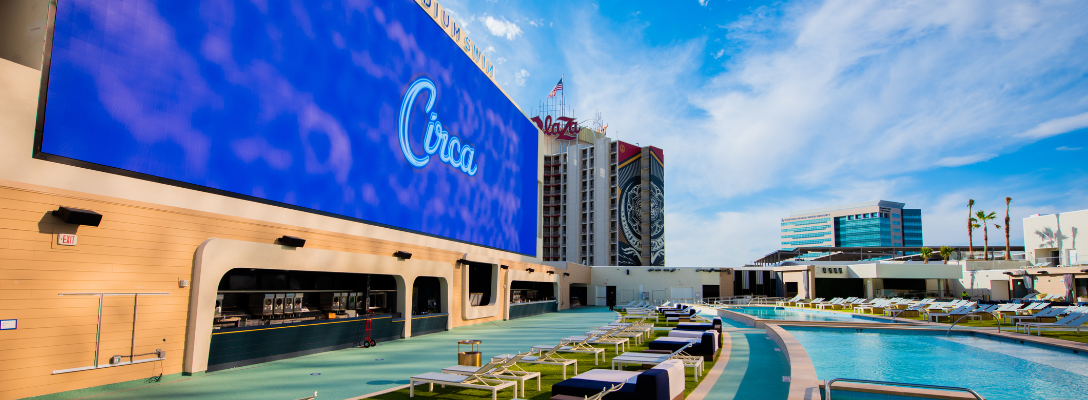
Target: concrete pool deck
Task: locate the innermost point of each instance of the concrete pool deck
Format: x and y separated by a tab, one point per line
354	373
755	368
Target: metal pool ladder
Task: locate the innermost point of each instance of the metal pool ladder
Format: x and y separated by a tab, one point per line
827	386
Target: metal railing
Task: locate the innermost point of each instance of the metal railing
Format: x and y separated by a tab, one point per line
741	300
827	386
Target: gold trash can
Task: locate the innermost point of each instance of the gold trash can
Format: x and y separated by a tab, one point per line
472	357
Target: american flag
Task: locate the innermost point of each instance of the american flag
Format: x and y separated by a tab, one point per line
558	86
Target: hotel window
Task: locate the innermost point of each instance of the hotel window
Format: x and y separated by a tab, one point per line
895	222
895	215
895	229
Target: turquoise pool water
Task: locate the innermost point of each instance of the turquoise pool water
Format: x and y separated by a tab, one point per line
996	369
794	314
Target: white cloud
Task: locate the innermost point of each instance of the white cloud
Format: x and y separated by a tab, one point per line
499	61
1057	126
831	94
502	28
703	2
534	23
520	76
1067	148
958	161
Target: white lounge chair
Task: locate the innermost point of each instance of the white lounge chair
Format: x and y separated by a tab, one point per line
1033	308
872	306
784	303
959	311
551	357
1052	312
818	300
507	370
915	309
984	312
474	380
601	337
696	363
835	303
1073	320
582	347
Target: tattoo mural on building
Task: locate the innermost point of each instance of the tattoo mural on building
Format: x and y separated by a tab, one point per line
630	205
657	206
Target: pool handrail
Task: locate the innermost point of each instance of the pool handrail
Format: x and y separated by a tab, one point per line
827	386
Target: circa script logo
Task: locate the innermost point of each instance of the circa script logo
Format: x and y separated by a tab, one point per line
435	139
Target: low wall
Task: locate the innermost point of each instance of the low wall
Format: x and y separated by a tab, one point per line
521	310
803	382
238	347
745	319
424	324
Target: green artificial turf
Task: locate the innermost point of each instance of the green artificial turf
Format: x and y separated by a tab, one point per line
550	375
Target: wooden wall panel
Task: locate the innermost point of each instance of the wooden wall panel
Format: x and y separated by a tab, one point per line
138	247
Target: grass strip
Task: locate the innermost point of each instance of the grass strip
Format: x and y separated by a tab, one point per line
550	375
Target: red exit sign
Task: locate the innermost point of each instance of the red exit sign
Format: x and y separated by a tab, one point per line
66	239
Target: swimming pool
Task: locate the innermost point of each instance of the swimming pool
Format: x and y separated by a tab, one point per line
996	369
794	314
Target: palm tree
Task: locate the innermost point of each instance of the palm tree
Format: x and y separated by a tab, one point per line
926	253
1008	254
946	252
974	225
983	218
970	229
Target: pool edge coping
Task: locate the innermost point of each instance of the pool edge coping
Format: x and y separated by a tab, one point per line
915	326
803	382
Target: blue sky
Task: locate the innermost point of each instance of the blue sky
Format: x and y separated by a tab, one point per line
767	107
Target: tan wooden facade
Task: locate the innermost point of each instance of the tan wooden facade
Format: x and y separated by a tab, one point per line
138	247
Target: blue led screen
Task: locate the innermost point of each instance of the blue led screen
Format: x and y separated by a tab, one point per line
362	109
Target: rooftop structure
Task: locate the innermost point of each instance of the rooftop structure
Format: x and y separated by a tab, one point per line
874	223
1052	238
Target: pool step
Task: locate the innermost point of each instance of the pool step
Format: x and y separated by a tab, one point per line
898	392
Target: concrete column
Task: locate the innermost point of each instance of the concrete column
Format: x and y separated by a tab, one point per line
869	292
405	302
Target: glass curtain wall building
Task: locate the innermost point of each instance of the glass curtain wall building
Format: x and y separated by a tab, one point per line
878	223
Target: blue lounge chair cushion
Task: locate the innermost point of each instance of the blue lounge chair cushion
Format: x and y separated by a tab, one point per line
652	384
582	388
705	347
716	325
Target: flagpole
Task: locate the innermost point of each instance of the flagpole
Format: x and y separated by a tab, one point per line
563	100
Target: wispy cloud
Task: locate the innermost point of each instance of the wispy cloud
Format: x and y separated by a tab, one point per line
1067	148
704	2
1057	126
519	77
959	161
503	28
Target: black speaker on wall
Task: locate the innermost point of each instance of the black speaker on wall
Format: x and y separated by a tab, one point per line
77	216
291	241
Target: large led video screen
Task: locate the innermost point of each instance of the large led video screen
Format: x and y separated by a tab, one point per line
364	110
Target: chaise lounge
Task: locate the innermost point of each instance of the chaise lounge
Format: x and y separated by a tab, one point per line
662	382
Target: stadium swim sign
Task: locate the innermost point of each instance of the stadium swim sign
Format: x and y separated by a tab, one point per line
453	30
435	139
